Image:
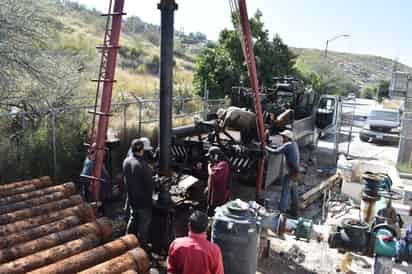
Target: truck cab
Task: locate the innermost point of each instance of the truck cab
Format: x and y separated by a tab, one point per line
328	114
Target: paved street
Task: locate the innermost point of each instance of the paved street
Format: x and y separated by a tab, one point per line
353	146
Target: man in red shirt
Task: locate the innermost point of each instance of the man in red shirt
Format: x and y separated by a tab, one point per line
218	180
194	254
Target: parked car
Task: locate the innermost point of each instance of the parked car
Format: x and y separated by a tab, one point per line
381	125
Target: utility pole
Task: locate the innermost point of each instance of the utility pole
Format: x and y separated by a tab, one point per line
332	39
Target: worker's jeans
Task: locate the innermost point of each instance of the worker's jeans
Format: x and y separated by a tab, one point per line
289	196
139	224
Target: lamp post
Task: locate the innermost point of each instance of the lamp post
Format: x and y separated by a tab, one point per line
332	39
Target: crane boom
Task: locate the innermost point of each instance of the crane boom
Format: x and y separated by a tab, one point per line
109	52
251	65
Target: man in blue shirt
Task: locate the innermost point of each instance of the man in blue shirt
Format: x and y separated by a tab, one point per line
87	170
290	150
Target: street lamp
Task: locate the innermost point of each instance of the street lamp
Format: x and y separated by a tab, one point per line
332	39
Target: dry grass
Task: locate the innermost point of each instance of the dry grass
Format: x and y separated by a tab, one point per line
138	84
391	104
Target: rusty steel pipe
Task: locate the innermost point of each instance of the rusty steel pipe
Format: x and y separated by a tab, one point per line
33	185
68	188
40	210
18	184
40	231
101	227
54	254
84	211
135	259
56	196
130	271
91	257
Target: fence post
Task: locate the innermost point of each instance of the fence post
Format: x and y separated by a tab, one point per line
54	143
140	105
205	101
124	121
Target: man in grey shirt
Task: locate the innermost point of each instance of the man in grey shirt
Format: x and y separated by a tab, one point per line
290	150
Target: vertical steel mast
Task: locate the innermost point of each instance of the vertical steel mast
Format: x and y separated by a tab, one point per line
251	65
106	76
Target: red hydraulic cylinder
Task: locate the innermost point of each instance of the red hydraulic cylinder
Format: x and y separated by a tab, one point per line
106	98
251	65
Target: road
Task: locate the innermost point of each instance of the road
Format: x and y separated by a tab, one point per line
351	144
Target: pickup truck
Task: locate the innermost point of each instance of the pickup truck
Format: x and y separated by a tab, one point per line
382	125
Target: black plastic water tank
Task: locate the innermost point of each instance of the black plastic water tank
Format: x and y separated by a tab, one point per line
237	233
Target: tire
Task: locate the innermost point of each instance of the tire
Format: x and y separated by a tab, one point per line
363	138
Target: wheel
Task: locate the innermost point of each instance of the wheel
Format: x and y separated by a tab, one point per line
363	138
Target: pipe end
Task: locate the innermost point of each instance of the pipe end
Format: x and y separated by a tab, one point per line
141	259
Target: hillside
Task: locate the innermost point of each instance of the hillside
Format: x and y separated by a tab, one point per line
363	70
139	61
81	29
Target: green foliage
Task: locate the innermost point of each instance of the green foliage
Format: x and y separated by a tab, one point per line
378	92
27	149
369	93
131	57
383	89
361	70
223	66
324	77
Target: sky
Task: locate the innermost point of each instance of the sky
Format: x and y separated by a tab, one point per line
376	27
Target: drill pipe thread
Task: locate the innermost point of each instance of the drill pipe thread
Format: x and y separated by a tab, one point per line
40	210
135	259
54	254
55	196
33	185
101	227
90	257
13	185
67	188
84	211
40	231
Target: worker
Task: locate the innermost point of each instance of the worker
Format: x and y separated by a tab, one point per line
289	194
138	178
239	119
149	157
87	171
219	178
194	253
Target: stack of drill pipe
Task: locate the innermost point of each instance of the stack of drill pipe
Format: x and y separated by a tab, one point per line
81	238
135	259
65	188
55	196
40	231
91	257
24	186
18	184
101	227
83	211
40	210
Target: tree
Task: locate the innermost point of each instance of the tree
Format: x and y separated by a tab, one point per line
383	89
324	77
223	66
34	73
369	93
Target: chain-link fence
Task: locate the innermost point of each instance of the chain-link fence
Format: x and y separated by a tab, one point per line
51	141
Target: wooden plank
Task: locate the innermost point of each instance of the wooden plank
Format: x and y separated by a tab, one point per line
314	193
